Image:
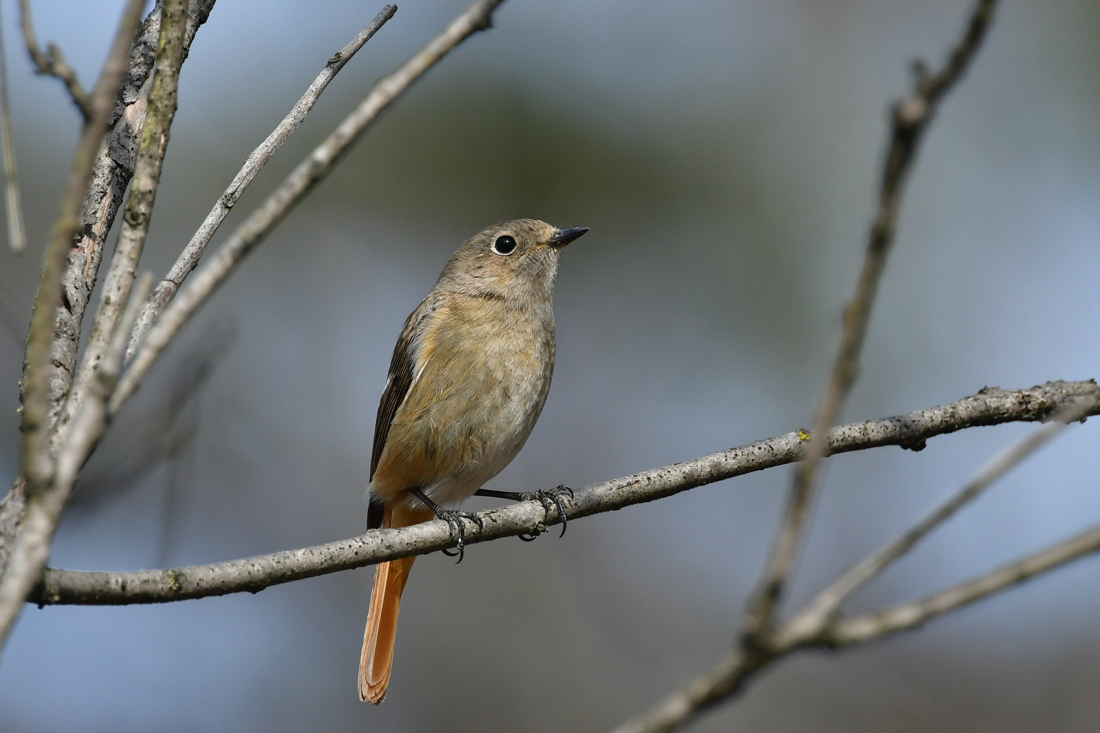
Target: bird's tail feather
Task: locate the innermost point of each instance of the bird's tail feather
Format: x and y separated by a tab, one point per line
376	660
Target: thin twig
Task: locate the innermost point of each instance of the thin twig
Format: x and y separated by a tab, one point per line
31	546
301	180
910	119
139	206
722	681
990	406
826	603
192	253
730	675
907	616
17	233
52	63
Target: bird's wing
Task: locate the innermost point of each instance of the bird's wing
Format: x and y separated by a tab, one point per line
402	370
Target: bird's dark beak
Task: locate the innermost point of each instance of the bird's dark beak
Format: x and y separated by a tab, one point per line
565	236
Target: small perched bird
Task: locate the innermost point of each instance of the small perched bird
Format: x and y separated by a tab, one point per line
468	379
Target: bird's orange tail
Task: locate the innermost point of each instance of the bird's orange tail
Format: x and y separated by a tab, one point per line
385	601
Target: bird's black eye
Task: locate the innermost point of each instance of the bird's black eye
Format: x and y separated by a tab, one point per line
504	245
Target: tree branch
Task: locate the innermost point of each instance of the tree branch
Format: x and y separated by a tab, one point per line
91	422
36	459
989	407
139	205
111	174
911	117
730	675
45	492
192	253
907	616
52	63
110	179
825	604
17	233
300	181
32	544
759	642
727	678
818	623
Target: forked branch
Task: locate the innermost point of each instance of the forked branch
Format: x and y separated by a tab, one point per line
52	63
911	117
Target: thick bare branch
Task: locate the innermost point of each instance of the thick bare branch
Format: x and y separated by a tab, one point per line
32	545
910	119
36	460
11	513
45	494
311	170
989	407
52	63
110	179
139	206
91	422
192	253
111	174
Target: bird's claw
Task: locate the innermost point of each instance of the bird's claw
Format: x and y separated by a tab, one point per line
548	498
453	518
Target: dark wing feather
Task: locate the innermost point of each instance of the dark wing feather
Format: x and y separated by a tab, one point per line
397	388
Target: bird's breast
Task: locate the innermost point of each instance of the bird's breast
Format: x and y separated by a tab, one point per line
481	375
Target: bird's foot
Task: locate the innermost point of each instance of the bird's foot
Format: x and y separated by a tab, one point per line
548	498
453	518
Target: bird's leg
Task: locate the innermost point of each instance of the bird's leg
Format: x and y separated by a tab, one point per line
453	518
546	497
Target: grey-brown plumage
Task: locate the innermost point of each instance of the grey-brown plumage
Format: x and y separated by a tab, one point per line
468	379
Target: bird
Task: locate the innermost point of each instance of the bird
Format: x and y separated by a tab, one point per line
468	380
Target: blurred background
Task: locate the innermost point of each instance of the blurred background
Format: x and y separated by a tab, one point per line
725	156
